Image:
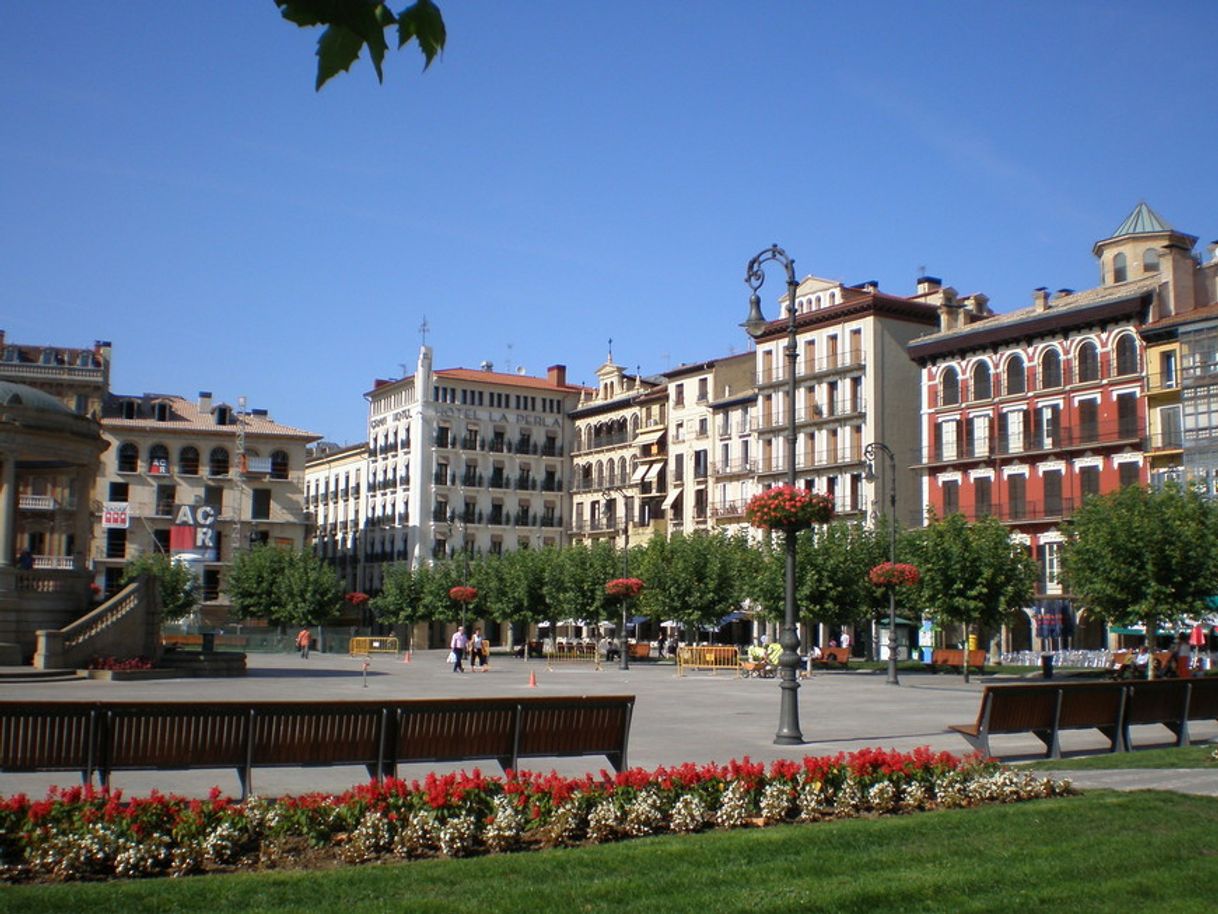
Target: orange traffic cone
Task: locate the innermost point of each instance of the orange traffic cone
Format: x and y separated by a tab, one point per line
532	680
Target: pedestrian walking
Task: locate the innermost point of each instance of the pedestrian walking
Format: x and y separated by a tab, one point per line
477	651
457	650
303	638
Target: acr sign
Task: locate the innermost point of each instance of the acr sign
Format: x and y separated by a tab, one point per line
115	515
194	530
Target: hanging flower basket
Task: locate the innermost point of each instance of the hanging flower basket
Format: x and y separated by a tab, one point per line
463	594
788	508
624	587
356	598
894	574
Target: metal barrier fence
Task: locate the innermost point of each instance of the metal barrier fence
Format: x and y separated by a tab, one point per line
562	658
713	657
379	645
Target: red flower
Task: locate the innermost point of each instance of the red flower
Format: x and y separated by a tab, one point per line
894	574
789	508
356	598
463	594
624	587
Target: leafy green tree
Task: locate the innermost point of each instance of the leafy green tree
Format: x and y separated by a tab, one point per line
284	587
973	574
575	581
352	24
694	578
833	586
178	585
400	600
1139	555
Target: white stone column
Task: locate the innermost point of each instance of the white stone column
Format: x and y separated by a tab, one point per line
8	508
82	529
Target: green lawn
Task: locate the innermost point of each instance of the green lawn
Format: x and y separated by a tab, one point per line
1077	854
1186	757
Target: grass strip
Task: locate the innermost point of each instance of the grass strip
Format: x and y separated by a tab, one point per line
1153	850
1183	757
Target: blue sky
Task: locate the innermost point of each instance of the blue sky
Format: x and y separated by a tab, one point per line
567	173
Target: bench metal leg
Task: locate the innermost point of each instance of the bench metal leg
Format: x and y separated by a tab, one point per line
1053	747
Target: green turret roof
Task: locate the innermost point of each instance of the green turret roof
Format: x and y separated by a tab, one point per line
1143	220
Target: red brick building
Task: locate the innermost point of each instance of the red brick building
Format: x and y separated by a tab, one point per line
1027	413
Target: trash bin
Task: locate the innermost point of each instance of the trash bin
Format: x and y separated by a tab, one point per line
209	642
1046	666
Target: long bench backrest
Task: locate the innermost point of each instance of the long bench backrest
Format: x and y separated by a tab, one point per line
1155	701
47	736
1203	700
158	735
1088	704
318	733
443	730
557	728
1019	708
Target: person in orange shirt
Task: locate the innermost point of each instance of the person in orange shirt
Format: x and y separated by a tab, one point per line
303	638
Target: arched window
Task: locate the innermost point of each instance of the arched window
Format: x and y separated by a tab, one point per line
982	387
634	425
1087	362
188	461
1015	376
1120	268
158	460
1150	260
949	387
600	475
611	477
217	462
621	470
1126	355
279	465
1050	369
128	458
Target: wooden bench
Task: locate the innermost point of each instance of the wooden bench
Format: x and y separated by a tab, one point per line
713	657
640	650
1172	703
98	738
832	657
1045	710
953	658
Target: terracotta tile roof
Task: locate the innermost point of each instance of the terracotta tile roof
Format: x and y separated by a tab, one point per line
1057	306
185	416
476	375
1205	313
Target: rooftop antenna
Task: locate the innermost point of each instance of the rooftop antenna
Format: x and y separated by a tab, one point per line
610	349
424	329
509	358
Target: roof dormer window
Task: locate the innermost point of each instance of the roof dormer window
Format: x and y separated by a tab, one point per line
222	414
161	412
131	409
47	357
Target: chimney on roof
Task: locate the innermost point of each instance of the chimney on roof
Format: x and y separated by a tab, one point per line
978	305
1212	247
1062	293
928	284
1040	298
487	365
557	375
205	401
260	412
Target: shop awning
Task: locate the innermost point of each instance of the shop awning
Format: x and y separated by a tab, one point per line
671	497
731	617
651	436
653	470
639	472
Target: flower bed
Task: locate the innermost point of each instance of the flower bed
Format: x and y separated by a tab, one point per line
86	834
788	508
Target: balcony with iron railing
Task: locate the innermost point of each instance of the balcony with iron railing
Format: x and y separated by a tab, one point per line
1065	437
837	410
735	467
1162	382
1022	512
833	363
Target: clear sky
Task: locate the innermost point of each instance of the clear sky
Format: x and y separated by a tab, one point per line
567	173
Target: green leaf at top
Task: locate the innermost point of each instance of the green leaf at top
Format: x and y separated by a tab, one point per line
423	22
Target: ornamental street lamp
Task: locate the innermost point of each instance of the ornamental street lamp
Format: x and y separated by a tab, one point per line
755	325
869	454
623	661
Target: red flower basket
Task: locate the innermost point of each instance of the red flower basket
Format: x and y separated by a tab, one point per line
894	574
624	587
463	593
788	508
356	598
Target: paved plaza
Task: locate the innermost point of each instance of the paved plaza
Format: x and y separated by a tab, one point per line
698	718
